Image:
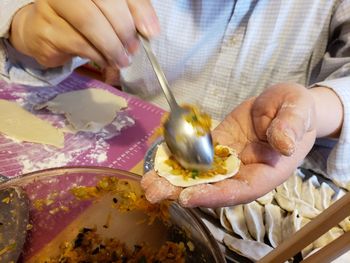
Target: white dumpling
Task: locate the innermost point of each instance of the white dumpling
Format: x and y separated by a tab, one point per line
326	195
318	199
273	223
284	201
235	217
288	192
305	209
294	183
308	189
223	220
328	237
254	215
339	194
209	211
283	189
345	224
291	224
251	249
217	232
266	199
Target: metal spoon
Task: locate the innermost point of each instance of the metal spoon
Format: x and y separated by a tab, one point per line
193	151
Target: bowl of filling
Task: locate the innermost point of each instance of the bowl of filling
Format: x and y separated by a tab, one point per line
94	214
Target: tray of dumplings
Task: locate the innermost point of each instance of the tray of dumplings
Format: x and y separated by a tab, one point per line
248	232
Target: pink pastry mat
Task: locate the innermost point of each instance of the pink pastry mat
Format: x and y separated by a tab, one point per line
123	151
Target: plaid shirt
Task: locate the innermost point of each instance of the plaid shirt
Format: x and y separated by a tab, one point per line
219	53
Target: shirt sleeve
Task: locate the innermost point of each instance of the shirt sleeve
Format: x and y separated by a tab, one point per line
19	68
335	74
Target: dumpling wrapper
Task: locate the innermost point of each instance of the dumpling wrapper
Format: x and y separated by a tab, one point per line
326	195
254	215
164	170
216	231
87	110
273	223
328	237
249	248
223	219
209	211
21	125
235	216
267	198
291	224
308	190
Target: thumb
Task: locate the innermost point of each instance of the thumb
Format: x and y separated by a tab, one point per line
282	115
292	121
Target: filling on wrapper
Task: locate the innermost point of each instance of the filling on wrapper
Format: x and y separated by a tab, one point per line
226	164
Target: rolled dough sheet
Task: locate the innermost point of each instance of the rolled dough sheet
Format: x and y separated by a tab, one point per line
164	170
21	125
87	109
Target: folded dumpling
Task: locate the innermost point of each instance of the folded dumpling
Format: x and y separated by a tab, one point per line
254	215
217	232
326	195
305	209
251	249
209	211
284	201
328	237
294	183
235	216
308	189
223	220
273	223
291	224
266	199
288	192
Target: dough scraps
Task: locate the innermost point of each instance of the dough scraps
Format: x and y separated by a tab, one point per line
21	125
226	168
87	110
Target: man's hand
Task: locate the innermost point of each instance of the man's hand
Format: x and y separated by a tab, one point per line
53	31
271	133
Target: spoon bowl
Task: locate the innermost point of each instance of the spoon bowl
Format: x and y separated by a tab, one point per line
191	150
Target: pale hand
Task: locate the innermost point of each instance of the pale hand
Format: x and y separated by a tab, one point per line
52	32
271	133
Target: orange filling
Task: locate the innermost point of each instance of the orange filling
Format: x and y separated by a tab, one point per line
219	165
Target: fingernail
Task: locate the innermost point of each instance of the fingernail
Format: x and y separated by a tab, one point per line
150	29
132	46
185	197
124	61
289	134
281	140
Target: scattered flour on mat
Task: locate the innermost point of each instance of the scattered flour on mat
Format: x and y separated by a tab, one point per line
99	152
91	153
56	160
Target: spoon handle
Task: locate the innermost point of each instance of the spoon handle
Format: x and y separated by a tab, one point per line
159	73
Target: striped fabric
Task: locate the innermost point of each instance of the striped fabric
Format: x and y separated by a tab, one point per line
219	53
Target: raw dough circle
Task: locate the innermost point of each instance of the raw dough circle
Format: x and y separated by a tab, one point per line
232	164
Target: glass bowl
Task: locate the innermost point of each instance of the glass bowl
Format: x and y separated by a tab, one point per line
56	215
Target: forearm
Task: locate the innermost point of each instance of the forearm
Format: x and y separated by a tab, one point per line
329	112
